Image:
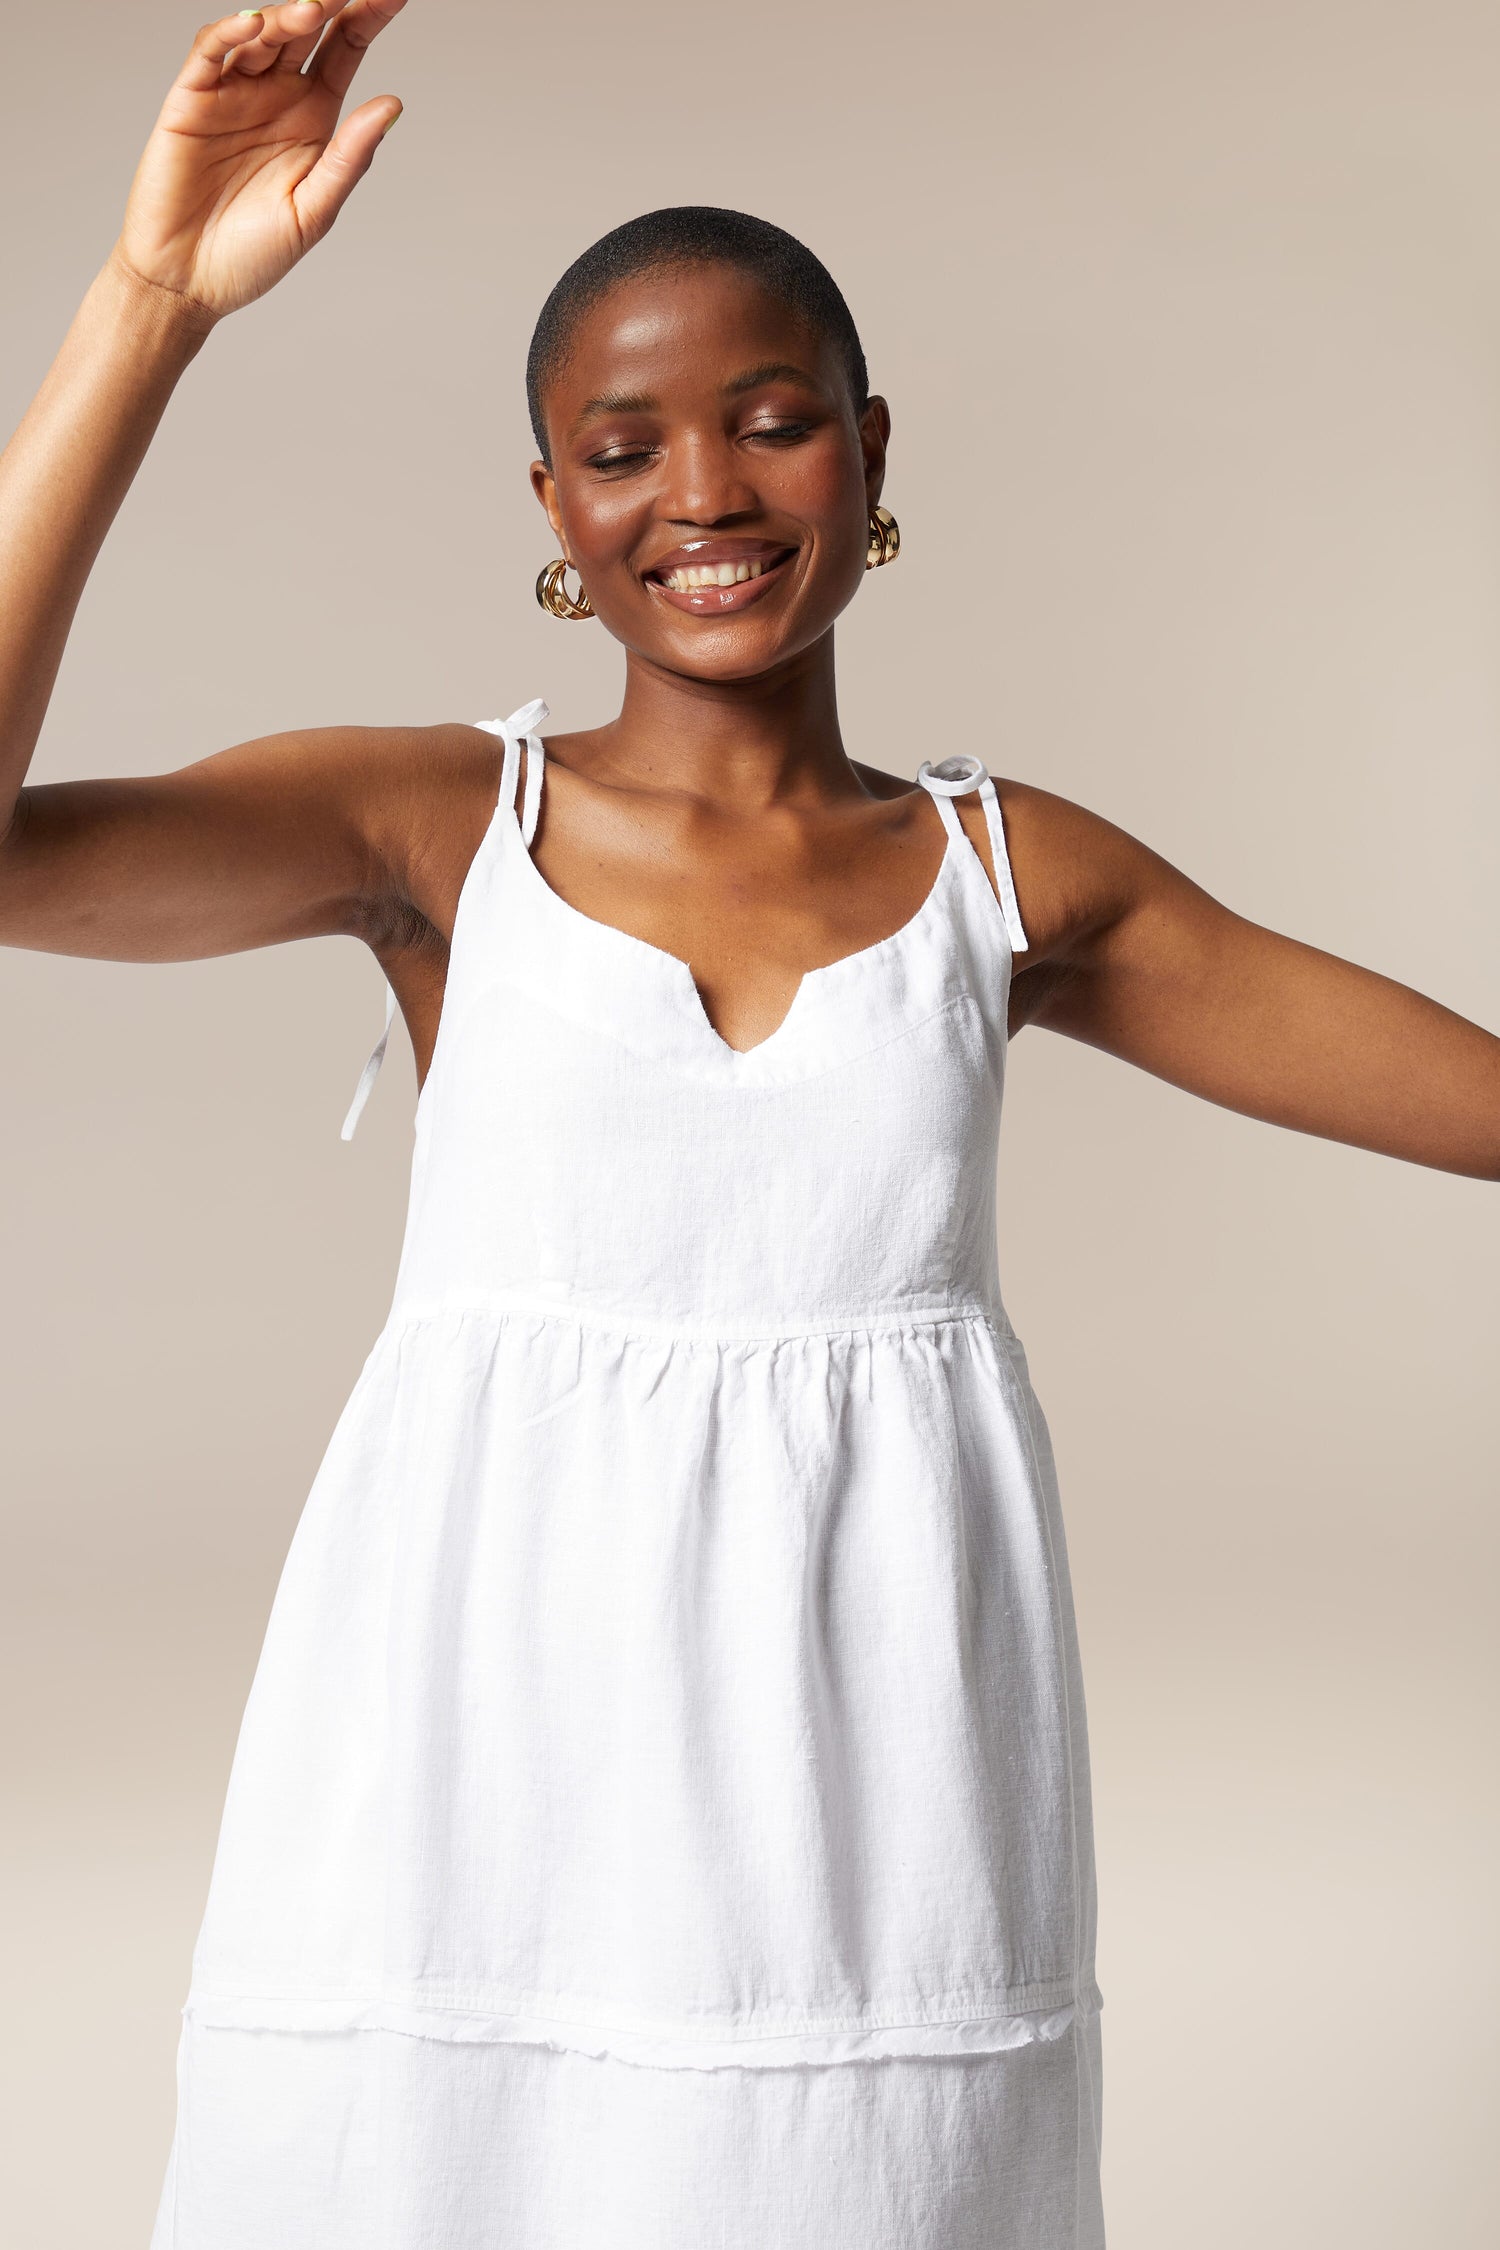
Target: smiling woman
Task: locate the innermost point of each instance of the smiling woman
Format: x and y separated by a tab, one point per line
778	407
661	1816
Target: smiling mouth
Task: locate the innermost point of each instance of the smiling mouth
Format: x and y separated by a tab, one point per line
719	583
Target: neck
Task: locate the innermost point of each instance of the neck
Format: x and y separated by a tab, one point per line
743	743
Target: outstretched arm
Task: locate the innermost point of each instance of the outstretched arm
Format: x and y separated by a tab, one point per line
247	168
1136	958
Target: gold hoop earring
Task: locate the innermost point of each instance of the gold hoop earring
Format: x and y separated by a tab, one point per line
553	594
885	539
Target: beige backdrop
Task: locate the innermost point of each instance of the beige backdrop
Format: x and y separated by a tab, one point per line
1190	319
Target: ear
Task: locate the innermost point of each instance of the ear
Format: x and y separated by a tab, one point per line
874	437
544	485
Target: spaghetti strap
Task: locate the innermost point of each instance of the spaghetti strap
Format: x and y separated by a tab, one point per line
515	730
955	777
532	803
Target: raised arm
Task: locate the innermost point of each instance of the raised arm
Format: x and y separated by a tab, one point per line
246	169
1136	958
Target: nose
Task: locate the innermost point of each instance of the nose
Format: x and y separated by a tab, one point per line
707	482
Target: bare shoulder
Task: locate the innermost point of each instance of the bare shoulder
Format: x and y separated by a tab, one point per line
411	764
1085	887
426	796
413	801
1075	871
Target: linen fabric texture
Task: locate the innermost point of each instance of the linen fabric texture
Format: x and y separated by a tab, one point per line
661	1813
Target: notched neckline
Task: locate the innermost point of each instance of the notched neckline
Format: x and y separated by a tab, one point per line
681	970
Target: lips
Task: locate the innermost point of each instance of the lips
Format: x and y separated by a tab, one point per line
713	577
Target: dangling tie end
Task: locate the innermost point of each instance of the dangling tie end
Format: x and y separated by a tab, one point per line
371	1071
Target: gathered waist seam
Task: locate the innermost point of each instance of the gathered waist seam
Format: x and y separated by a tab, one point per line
878	1321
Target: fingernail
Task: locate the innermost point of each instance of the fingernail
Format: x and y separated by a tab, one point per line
252	11
390	121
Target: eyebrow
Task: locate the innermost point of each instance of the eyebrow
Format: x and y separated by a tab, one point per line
642	402
770	371
618	402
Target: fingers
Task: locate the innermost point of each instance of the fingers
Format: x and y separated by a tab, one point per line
352	33
296	51
321	196
285	37
215	43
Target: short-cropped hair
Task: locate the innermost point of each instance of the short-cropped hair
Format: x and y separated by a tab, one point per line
688	234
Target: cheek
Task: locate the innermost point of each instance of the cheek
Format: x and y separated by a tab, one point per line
603	522
821	482
828	494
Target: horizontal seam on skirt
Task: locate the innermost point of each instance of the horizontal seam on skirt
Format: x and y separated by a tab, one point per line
1058	1993
629	1325
969	2042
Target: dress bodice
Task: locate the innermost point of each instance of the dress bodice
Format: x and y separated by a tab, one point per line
586	1138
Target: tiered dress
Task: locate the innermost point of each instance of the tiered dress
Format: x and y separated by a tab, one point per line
661	1820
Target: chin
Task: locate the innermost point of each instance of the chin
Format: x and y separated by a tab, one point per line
727	655
732	649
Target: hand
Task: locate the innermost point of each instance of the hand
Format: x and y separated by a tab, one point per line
248	165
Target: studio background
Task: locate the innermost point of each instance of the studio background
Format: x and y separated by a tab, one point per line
1189	317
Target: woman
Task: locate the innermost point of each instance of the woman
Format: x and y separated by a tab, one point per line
661	1816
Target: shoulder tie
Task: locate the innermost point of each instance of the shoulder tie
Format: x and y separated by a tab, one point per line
519	726
955	777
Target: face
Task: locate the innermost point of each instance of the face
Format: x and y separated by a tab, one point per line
710	481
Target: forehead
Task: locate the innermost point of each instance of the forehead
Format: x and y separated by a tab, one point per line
684	327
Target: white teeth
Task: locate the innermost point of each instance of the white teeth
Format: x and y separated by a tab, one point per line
711	574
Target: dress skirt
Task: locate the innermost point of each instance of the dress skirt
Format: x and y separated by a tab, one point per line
357	2140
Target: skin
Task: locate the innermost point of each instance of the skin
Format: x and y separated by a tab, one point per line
718	815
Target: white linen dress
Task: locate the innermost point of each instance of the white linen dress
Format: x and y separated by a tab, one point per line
661	1818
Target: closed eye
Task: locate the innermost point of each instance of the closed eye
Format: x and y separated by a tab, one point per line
625	459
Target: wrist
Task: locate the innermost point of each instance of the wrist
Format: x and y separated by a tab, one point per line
162	322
